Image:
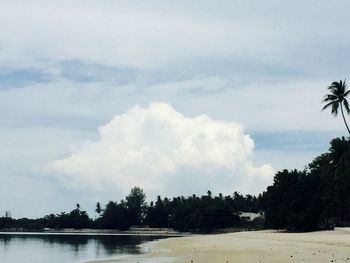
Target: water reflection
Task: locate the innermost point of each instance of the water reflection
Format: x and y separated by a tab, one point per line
74	247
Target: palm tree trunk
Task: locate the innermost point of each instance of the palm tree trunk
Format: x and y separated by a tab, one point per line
342	113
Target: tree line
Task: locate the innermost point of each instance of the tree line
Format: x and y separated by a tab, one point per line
193	213
316	197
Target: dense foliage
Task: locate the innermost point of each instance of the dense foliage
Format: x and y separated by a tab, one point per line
317	197
192	213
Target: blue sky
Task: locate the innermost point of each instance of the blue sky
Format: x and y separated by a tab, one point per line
68	70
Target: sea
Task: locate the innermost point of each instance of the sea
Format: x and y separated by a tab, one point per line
69	247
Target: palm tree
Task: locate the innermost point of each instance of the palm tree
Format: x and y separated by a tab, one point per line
337	98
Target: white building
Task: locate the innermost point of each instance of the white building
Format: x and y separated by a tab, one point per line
249	216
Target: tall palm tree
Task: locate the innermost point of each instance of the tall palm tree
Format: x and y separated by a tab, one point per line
337	98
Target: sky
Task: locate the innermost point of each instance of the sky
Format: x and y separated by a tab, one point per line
176	97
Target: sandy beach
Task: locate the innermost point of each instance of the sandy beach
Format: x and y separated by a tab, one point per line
254	246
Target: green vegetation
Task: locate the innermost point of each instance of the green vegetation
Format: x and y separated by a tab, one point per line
205	213
317	197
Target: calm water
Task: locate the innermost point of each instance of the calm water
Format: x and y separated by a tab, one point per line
42	248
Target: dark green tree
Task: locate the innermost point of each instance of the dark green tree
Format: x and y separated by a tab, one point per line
291	202
98	209
157	215
116	216
338	147
136	204
209	193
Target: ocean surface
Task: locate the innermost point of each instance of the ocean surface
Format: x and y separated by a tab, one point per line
68	248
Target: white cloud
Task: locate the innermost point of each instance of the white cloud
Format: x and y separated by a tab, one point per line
165	152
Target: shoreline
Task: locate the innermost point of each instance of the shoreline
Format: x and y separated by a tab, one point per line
245	247
68	231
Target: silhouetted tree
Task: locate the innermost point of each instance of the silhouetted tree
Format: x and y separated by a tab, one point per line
136	204
116	216
337	99
157	215
98	209
209	193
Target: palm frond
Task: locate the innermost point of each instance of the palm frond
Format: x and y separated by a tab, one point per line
346	93
333	87
329	97
343	83
327	105
335	107
342	87
346	105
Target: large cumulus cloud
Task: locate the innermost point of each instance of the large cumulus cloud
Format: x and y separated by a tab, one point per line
164	152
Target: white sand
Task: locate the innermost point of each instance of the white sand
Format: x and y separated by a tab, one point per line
257	246
246	247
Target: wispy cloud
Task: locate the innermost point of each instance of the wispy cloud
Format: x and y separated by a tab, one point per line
23	77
